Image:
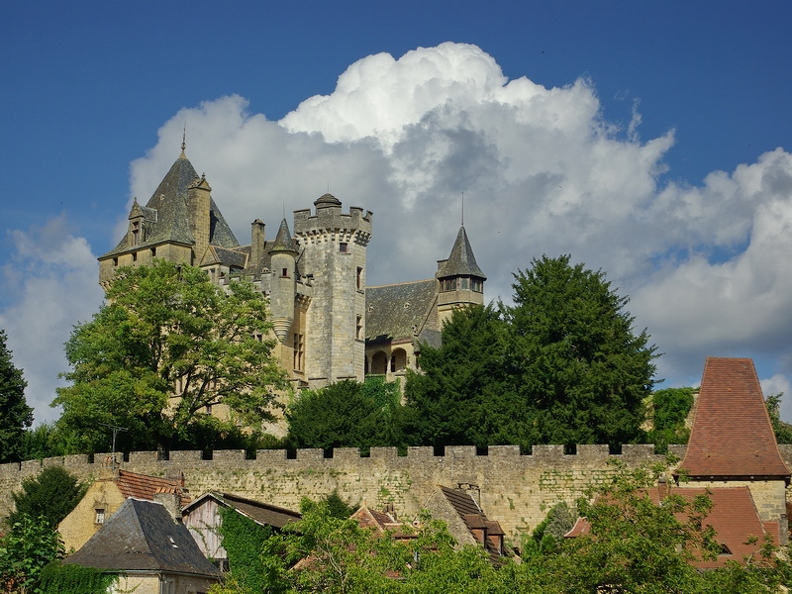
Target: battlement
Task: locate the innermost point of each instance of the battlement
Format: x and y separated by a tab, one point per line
356	224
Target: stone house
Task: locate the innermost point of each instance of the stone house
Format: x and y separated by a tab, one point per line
149	551
108	492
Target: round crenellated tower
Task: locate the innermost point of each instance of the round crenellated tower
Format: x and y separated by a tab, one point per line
334	254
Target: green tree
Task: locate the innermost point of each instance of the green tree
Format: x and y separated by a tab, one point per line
464	393
28	547
166	347
669	411
15	414
580	367
346	414
50	495
782	430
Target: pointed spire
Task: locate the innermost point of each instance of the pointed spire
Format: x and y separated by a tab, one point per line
283	241
184	141
461	262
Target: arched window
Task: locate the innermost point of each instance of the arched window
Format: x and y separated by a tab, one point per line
379	363
398	360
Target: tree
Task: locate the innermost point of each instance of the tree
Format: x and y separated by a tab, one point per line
29	546
782	430
581	368
15	414
168	345
345	414
670	408
464	392
51	495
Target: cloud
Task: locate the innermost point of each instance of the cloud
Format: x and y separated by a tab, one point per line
51	283
542	172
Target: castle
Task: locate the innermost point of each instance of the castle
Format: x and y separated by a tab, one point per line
330	326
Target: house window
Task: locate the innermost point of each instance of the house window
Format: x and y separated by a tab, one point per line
299	352
343	247
100	515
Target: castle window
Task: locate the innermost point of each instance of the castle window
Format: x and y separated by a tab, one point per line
153	252
359	327
449	284
284	272
343	247
134	256
100	515
115	261
476	285
135	233
299	351
359	278
464	283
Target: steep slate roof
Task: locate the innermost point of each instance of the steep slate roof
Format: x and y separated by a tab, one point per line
461	262
473	517
263	514
167	217
392	311
731	435
283	240
142	536
141	486
733	516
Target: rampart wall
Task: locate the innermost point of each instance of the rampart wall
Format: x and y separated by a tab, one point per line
516	489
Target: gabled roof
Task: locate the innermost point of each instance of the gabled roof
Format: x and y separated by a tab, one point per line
142	536
263	514
474	518
394	311
732	435
167	217
733	517
142	486
461	262
381	521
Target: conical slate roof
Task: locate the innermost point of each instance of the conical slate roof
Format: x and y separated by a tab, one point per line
327	200
461	262
142	536
732	435
167	217
283	241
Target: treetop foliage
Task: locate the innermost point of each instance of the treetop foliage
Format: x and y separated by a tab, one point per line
167	345
50	495
15	414
562	366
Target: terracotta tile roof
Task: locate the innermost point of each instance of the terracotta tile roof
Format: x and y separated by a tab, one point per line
732	436
733	517
474	519
141	486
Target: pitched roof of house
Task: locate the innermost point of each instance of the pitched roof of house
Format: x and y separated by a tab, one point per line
733	517
263	514
461	262
395	312
142	486
167	217
473	517
732	435
142	536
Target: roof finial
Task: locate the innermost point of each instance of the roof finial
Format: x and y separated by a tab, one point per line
463	209
184	138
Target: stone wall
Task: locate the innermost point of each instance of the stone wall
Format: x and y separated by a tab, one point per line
516	490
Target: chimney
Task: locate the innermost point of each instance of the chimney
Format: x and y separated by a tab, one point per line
256	242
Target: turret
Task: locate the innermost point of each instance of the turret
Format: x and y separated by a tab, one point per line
461	280
283	257
199	199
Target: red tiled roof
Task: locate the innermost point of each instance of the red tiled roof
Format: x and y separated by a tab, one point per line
733	517
141	486
732	436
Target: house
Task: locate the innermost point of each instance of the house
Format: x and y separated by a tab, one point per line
108	492
466	521
149	551
732	457
329	324
202	519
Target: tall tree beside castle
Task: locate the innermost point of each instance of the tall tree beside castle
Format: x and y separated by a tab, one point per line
563	365
15	414
168	348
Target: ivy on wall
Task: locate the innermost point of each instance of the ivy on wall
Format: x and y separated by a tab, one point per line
243	540
57	578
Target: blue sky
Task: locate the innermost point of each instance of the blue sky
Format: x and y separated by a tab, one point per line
642	138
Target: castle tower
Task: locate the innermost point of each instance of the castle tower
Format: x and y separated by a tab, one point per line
334	257
461	280
283	256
